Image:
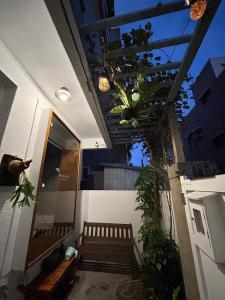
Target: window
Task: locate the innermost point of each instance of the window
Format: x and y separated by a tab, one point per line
56	196
198	221
7	93
219	140
82	6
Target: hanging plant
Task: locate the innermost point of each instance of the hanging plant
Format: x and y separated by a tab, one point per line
139	62
133	102
23	195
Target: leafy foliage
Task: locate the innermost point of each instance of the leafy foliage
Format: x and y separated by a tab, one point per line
162	272
135	102
3	292
148	195
138	62
23	193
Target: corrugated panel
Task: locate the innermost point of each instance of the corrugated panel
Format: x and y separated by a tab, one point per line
120	179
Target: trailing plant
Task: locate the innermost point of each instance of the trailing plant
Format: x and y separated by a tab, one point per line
23	194
3	292
149	184
162	273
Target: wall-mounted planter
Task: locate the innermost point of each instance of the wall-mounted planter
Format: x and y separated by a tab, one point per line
6	177
10	169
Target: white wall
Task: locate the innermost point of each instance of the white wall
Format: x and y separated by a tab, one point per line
109	207
24	137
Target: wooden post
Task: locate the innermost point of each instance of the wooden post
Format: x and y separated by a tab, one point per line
187	261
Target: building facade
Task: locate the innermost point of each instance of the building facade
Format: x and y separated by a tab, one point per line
203	130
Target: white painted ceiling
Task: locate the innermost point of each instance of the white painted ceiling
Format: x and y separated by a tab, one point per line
28	31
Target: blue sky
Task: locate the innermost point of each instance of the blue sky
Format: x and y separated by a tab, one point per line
172	25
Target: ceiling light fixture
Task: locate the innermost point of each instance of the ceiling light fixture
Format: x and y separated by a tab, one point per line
63	94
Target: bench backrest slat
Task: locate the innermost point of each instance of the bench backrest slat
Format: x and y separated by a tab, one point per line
107	231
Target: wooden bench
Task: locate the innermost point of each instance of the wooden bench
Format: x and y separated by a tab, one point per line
45	285
108	243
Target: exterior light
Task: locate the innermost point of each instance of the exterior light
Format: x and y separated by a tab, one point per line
63	94
198	9
103	83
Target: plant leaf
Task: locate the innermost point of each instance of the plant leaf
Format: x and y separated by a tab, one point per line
118	109
124	122
124	97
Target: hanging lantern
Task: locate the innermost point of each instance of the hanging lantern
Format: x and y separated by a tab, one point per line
198	9
103	83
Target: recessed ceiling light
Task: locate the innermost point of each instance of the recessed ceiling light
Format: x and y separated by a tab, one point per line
63	94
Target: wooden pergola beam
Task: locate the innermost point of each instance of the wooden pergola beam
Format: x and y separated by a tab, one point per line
126	141
183	236
121	129
150	70
194	46
178	40
151	12
130	132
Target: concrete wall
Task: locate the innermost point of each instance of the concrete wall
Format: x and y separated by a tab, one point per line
117	206
109	207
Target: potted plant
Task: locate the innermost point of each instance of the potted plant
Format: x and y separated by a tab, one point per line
23	194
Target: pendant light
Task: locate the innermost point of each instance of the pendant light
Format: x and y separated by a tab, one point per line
198	8
103	83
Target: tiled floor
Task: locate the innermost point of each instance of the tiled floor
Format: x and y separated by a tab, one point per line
97	286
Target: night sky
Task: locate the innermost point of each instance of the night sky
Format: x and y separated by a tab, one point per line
172	25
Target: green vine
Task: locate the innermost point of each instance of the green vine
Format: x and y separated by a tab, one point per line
162	275
149	184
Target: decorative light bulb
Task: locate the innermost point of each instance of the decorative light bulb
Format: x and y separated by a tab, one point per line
135	96
198	9
103	84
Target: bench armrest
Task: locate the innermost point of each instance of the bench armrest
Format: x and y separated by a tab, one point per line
137	251
78	240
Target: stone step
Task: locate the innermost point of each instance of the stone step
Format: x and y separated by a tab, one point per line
108	267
